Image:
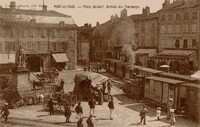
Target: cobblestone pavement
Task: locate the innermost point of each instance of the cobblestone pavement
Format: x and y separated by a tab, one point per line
126	112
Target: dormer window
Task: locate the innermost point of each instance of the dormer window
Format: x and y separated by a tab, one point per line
61	23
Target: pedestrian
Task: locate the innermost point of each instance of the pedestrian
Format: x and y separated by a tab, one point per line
62	84
51	110
90	122
107	67
109	87
85	69
41	98
143	114
89	67
80	122
92	103
172	117
79	111
111	107
100	96
169	106
158	113
104	87
68	112
5	112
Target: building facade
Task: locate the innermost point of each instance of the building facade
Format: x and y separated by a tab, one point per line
48	38
178	35
83	43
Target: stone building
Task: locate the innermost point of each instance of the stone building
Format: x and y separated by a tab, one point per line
147	33
48	38
110	39
178	35
83	43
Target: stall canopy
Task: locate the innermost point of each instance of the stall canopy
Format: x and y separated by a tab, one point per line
60	57
196	75
7	58
167	80
97	79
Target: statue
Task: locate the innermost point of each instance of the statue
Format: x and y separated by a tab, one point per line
20	57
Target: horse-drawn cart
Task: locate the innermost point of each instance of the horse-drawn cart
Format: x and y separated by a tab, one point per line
60	99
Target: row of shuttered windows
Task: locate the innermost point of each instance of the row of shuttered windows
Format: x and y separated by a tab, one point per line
39	46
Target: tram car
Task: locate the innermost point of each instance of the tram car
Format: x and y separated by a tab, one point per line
158	86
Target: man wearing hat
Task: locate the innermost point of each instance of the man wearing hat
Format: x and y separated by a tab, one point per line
51	111
5	112
143	114
68	112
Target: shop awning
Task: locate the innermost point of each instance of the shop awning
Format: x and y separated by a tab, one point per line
7	58
167	80
60	57
150	70
150	52
191	85
196	75
177	52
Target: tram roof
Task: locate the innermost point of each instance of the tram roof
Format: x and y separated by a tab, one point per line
167	80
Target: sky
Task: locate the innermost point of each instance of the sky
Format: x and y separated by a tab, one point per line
89	11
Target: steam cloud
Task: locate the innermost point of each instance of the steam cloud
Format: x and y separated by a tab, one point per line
123	35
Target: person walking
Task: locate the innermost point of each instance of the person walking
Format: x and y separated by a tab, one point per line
104	87
109	87
158	113
68	112
100	96
62	84
172	117
90	122
111	107
5	112
92	103
79	111
41	98
169	106
85	68
51	110
143	114
80	122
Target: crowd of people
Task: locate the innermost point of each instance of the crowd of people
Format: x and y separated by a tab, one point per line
98	67
91	103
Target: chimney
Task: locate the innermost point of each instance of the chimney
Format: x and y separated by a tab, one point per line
97	24
166	3
86	24
143	11
147	11
44	7
13	6
123	13
90	25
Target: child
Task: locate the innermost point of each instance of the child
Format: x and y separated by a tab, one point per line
80	122
172	117
158	113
